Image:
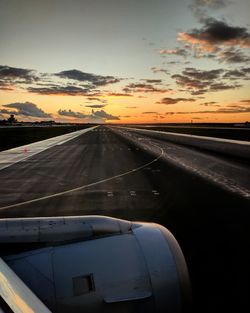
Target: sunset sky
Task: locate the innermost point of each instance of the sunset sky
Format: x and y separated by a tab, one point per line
133	61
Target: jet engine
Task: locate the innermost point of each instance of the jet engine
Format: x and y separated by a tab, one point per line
92	264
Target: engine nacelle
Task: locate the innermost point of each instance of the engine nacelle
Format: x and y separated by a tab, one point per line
99	264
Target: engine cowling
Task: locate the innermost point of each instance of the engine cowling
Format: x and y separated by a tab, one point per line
99	264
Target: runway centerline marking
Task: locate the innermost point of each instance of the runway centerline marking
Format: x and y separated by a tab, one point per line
87	185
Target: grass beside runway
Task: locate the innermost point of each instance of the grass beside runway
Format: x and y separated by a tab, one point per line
11	137
220	132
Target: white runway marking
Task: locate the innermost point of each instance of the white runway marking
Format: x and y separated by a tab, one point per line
85	186
132	193
155	193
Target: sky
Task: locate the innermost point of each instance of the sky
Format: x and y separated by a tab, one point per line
133	61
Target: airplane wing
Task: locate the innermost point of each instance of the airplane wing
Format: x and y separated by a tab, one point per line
16	294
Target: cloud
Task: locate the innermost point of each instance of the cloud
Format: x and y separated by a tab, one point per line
232	55
96	80
6	87
141	87
247	101
5	111
26	109
210	104
153	81
7	72
199	7
150	112
169	101
103	115
95	106
69	82
10	76
202	75
215	34
235	74
119	94
198	82
222	86
246	70
94	116
96	99
226	110
60	90
214	4
189	83
72	114
155	70
177	51
131	107
235	109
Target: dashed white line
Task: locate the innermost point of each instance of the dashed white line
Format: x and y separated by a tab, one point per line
155	193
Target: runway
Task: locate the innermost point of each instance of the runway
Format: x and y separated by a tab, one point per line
202	198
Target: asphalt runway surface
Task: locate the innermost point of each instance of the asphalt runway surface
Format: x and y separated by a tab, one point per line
202	199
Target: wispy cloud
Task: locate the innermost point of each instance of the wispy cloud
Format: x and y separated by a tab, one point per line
97	99
210	104
245	101
153	81
119	94
156	70
95	106
214	4
177	51
145	88
230	109
169	101
200	7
